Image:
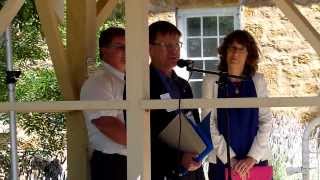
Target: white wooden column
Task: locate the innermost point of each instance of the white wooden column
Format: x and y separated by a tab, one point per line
137	71
81	45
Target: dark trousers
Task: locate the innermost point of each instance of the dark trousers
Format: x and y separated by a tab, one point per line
193	175
108	166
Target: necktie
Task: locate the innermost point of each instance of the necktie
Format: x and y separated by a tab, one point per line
124	97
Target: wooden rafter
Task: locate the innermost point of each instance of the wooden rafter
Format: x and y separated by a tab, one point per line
67	106
49	25
104	10
58	6
8	12
300	22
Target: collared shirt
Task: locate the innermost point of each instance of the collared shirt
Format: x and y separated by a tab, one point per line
104	85
169	84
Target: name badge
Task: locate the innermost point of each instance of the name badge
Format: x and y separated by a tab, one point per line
166	96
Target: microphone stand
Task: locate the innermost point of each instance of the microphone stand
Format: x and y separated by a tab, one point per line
224	86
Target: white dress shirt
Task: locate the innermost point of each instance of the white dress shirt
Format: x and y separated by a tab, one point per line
259	149
104	85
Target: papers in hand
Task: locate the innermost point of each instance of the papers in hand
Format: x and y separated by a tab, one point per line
191	137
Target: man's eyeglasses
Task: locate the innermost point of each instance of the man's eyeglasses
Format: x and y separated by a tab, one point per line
168	45
117	46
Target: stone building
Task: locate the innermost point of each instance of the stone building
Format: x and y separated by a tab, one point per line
291	66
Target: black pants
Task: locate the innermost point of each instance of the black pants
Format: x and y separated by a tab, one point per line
108	166
193	175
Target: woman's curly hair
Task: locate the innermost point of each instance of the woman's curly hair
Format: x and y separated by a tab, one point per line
244	38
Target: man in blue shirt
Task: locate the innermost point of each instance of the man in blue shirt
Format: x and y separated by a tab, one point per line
165	84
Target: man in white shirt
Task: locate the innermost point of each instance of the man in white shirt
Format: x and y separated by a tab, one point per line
106	128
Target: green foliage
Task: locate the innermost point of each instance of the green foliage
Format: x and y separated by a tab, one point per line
117	17
3	87
28	45
37	83
42	85
279	169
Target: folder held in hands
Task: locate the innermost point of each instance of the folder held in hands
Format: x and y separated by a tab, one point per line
195	138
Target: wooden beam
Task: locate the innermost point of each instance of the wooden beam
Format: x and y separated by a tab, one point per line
300	22
67	106
77	147
81	45
233	103
8	12
81	37
104	10
49	25
62	106
137	73
58	6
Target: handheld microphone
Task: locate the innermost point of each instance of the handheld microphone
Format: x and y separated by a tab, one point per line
184	63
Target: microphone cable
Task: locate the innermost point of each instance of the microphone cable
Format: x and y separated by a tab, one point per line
185	171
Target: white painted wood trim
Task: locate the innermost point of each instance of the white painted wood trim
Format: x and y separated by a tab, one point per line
62	106
232	103
183	14
8	12
218	11
67	106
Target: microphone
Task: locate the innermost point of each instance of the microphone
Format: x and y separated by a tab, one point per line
184	63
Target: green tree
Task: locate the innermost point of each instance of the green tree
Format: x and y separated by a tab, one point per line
37	83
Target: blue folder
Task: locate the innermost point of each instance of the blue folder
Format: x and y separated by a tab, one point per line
193	138
203	129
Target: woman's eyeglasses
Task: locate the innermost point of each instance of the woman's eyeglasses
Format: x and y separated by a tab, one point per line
234	49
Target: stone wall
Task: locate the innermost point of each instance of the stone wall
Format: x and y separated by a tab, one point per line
290	65
292	68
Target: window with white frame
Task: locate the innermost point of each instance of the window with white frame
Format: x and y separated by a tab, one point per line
202	32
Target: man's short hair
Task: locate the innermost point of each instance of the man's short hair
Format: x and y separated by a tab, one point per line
106	36
163	28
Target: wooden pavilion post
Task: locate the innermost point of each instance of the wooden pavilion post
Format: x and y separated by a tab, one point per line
137	70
